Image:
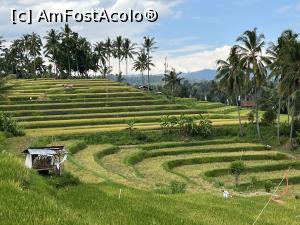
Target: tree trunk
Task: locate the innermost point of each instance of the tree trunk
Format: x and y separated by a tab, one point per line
69	65
126	66
34	66
288	108
143	80
237	180
239	117
278	121
292	124
172	90
77	64
148	68
256	109
148	81
119	65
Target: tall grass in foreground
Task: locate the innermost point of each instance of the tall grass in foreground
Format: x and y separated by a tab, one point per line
99	204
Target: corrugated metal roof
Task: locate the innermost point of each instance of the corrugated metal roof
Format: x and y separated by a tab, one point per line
45	150
41	152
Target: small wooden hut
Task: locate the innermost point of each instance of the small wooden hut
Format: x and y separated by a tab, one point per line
46	159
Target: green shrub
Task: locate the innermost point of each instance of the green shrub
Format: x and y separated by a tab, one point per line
168	123
9	125
254	181
177	187
268	184
130	124
63	181
269	117
203	128
236	169
77	146
219	184
136	158
140	136
284	128
250	116
297	124
162	189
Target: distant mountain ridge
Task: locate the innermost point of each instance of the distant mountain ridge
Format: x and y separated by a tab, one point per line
206	74
156	79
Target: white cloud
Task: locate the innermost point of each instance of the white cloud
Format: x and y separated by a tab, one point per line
185	62
284	8
93	31
182	55
189	62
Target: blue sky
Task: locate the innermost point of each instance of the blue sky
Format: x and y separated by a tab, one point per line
193	34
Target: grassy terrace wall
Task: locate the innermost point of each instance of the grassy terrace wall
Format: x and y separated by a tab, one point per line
95	106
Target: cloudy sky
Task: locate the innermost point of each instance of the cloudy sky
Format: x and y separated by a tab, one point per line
193	34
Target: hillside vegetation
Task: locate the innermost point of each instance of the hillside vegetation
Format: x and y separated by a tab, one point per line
145	176
45	108
27	198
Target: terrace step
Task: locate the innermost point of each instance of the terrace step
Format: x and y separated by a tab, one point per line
111	109
105	115
79	104
77	100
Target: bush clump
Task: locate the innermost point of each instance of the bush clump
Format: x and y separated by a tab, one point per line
140	136
250	116
77	146
269	117
63	181
175	187
268	185
236	169
254	182
193	126
9	125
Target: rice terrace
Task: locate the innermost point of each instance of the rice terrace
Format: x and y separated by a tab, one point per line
108	130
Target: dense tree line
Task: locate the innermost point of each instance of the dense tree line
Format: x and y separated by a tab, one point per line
250	71
267	75
71	55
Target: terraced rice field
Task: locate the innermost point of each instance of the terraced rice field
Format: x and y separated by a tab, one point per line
45	108
203	165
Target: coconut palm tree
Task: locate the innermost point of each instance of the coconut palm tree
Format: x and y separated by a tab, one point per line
118	50
108	50
173	79
140	64
52	47
35	48
254	63
128	51
231	78
100	51
277	53
290	83
149	46
67	38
